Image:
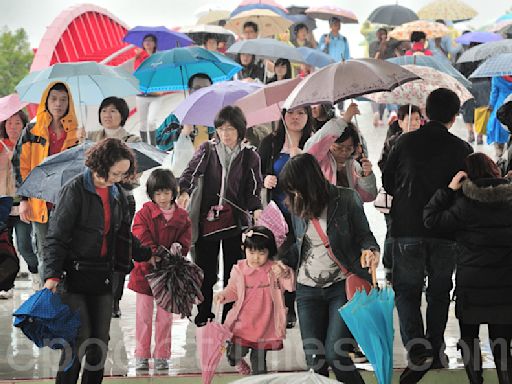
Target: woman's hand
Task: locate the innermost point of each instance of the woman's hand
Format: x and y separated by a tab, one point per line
370	259
51	285
183	200
25	211
256	214
350	112
366	164
279	269
270	182
219	298
457	180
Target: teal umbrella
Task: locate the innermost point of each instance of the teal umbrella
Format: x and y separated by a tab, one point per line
170	70
370	319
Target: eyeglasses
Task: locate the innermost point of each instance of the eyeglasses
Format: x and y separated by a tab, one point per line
343	148
226	130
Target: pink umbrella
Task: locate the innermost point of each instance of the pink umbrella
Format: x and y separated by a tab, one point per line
265	2
264	105
211	341
9	105
325	12
273	219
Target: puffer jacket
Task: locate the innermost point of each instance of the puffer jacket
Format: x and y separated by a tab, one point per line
481	217
75	237
33	146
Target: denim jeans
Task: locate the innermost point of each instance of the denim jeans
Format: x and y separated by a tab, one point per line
413	257
24	242
326	339
40	231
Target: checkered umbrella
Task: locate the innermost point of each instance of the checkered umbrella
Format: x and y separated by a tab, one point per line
498	65
484	51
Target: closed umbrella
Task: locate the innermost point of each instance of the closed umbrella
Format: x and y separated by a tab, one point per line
9	105
478	37
315	58
498	65
268	49
170	70
347	80
165	38
325	12
431	29
484	51
202	106
453	10
269	23
392	15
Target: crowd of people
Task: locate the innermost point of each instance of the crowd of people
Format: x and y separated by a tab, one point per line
450	213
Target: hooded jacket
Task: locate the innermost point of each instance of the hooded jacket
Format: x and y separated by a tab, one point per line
501	88
481	217
34	143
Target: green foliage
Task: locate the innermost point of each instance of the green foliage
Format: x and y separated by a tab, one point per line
15	59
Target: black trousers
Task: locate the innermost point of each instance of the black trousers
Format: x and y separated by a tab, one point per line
118	285
258	357
92	341
207	258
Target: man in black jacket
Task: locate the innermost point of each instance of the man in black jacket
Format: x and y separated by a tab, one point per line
421	162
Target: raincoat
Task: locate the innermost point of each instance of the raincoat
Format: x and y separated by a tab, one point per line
501	87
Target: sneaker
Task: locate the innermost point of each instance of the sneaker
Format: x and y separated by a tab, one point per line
4	295
358	357
291	320
141	364
161	364
243	368
36	282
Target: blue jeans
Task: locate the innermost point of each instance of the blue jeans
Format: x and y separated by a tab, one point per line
413	257
326	339
24	242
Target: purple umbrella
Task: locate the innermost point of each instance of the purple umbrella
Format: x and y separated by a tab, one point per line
202	106
478	37
165	38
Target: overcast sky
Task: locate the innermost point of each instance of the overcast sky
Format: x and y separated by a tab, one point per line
35	16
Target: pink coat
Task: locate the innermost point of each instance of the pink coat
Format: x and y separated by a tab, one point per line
235	291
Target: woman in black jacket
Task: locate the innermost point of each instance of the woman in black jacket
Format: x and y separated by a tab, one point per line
88	240
477	206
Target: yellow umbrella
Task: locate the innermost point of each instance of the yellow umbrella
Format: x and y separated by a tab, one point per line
431	29
213	17
454	10
269	23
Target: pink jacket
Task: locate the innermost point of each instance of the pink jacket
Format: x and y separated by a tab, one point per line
235	291
319	146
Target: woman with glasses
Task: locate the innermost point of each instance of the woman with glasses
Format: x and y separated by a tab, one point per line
231	186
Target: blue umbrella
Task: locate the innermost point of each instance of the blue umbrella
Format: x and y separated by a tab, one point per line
315	58
170	70
498	65
478	37
505	17
165	38
370	319
439	63
267	48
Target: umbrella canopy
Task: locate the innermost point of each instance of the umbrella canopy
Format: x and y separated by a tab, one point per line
308	377
170	70
45	320
9	105
498	65
478	37
315	58
269	23
416	92
268	49
505	17
211	342
370	319
264	105
90	82
454	10
165	38
271	3
301	19
484	51
45	181
439	63
202	106
431	29
348	80
325	12
272	218
250	7
392	15
200	31
213	17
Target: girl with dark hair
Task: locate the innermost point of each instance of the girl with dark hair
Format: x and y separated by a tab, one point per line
251	69
230	173
88	239
477	207
160	222
256	286
322	113
282	70
318	206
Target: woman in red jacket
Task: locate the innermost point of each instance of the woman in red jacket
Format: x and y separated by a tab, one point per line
159	222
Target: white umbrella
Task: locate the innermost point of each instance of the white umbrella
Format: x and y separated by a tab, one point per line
309	377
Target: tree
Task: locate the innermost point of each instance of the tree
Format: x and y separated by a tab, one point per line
15	59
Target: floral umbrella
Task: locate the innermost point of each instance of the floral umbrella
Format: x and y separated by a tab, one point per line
431	29
454	10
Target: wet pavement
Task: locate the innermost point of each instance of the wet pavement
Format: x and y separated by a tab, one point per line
20	359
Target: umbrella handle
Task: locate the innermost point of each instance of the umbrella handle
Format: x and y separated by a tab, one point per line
373	270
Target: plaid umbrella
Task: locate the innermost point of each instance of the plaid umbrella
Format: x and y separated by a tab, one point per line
498	65
273	219
484	51
454	10
431	29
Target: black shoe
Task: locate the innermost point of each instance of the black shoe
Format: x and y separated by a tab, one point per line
201	321
116	311
412	375
291	320
440	362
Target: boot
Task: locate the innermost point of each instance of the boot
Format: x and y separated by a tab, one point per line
503	368
472	358
116	311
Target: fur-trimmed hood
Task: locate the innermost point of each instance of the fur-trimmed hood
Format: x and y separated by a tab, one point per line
488	190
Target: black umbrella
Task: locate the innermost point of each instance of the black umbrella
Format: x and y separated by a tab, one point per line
392	15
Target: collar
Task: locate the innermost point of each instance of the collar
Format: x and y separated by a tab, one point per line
497	190
113	191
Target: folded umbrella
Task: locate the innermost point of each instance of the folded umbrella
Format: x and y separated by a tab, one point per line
269	23
9	105
325	12
484	51
392	15
202	106
498	65
165	38
315	58
46	180
347	80
478	37
272	218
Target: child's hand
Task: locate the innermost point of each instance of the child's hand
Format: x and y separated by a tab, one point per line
219	298
280	270
154	259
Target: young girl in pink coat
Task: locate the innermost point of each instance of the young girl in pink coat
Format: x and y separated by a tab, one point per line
258	316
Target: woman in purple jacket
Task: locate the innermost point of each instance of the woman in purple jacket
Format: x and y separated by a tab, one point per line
231	175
